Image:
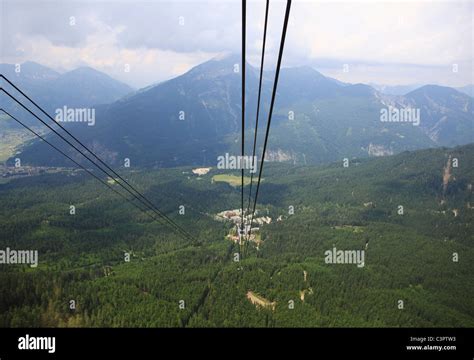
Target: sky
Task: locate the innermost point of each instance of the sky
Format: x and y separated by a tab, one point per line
145	42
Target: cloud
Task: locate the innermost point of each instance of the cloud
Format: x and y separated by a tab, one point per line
162	39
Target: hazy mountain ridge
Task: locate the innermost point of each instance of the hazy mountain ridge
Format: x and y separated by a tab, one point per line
81	87
195	117
401	90
468	90
447	114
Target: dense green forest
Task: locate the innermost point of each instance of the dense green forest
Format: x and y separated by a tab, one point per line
409	277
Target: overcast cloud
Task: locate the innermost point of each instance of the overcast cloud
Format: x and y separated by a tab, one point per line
400	42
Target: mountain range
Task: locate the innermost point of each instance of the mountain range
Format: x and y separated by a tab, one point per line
195	117
405	89
81	87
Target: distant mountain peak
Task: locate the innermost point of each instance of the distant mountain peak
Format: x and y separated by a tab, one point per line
304	70
35	64
222	65
92	75
440	94
80	87
86	70
226	56
433	89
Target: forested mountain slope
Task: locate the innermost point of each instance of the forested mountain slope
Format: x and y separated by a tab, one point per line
409	256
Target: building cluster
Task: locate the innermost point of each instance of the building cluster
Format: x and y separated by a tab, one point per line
14	172
239	232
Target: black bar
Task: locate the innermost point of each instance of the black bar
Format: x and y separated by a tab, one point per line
320	343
